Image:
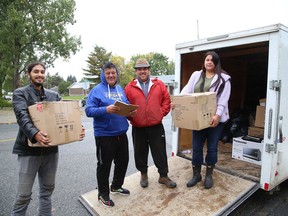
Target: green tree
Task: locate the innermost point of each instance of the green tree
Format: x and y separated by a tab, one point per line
71	79
34	30
52	81
63	87
125	70
96	60
160	64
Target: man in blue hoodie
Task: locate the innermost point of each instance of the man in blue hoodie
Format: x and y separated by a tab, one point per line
110	133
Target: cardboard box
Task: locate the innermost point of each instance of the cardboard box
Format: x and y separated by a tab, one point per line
247	150
260	117
262	102
256	132
61	120
194	111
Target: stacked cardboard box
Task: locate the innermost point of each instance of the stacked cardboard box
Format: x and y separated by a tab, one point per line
257	129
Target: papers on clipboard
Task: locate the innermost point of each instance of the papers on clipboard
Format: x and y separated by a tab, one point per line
125	108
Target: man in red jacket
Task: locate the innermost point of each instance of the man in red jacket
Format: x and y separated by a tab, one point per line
153	99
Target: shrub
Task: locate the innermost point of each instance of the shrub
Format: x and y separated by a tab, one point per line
5	103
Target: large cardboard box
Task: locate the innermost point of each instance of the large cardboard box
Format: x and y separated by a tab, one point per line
256	132
61	120
194	111
247	150
260	117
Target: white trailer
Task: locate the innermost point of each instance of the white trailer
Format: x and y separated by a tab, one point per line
257	61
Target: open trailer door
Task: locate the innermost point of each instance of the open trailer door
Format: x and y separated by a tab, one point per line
227	193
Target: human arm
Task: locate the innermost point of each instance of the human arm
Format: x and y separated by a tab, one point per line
223	98
189	87
20	103
82	134
94	104
166	100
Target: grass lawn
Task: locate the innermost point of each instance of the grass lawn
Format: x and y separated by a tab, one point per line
72	97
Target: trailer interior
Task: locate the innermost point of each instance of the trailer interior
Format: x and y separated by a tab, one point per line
247	65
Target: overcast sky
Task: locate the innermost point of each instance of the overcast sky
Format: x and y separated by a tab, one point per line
130	27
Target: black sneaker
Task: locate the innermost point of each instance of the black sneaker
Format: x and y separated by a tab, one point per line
105	201
121	191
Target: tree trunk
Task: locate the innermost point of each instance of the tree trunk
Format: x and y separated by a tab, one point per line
16	79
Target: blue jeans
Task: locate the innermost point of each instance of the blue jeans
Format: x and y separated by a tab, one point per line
212	135
29	166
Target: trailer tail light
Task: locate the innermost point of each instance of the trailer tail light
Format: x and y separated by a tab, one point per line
172	154
266	186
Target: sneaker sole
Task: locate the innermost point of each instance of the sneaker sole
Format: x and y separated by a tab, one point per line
115	192
107	206
167	185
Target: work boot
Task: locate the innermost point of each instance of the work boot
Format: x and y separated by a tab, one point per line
144	180
196	176
208	183
167	181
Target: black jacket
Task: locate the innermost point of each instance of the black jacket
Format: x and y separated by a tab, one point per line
22	98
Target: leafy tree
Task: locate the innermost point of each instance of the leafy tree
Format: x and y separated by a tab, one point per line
63	87
34	30
159	63
125	70
53	80
96	60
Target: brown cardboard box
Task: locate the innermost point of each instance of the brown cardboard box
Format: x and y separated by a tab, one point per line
194	111
61	120
262	102
256	132
260	117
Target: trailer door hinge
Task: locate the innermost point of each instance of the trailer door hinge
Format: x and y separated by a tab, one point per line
270	147
175	84
275	85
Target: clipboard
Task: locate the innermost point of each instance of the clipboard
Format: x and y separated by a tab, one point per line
125	108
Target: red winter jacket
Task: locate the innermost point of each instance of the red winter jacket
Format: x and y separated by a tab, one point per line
152	109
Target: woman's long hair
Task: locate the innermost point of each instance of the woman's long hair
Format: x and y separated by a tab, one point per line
217	70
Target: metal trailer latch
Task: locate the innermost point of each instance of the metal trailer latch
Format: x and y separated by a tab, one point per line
270	147
275	85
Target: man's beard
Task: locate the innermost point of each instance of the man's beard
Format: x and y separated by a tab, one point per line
38	84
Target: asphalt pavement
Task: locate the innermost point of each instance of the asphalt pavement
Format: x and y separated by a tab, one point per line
7	116
76	173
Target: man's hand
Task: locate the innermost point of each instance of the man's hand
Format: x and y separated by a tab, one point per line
172	105
112	109
132	113
42	138
82	134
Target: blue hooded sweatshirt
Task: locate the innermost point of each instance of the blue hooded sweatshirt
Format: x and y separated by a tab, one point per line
101	96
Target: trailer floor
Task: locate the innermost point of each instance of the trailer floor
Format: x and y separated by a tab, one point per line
230	165
157	199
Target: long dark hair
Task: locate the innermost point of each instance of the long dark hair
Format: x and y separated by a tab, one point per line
33	64
217	70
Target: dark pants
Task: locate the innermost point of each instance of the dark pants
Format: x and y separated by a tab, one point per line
109	149
212	135
153	137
